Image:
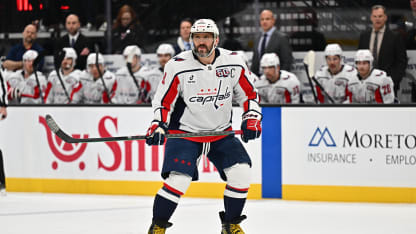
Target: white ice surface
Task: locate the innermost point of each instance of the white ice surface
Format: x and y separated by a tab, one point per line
35	213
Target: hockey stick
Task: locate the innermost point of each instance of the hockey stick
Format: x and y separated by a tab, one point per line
35	68
309	63
310	57
67	138
100	73
129	68
58	62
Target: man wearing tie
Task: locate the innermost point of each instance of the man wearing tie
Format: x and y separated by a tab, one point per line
271	41
387	47
76	40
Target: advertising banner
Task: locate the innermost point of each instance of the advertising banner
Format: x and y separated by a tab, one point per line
38	160
349	154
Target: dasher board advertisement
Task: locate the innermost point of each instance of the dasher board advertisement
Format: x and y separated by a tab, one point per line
38	160
349	154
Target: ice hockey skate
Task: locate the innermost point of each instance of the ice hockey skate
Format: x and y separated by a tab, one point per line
159	227
233	226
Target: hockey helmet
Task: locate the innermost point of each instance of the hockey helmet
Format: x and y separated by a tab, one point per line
132	49
30	55
269	60
70	53
333	49
205	26
93	57
165	48
364	55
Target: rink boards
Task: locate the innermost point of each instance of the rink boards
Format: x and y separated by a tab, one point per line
305	153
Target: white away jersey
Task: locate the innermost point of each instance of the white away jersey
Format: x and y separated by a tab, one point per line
3	89
285	90
376	88
29	88
153	76
196	97
339	86
127	92
93	91
55	93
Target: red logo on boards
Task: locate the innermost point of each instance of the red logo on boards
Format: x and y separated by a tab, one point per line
66	152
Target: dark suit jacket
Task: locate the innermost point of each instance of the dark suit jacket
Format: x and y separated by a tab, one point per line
278	44
80	44
392	57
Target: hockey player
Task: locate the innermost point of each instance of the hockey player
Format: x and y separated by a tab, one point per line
195	95
3	115
93	90
375	86
62	89
132	88
338	79
25	86
276	86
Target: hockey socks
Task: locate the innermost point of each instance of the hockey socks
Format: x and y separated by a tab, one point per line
165	203
233	207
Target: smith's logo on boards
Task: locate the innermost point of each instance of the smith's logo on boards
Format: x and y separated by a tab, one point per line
319	136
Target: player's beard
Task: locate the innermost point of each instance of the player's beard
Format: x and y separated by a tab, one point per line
203	51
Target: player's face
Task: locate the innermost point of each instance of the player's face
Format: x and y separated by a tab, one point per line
72	24
363	68
163	59
28	66
94	72
266	20
66	64
203	43
271	73
378	18
334	63
185	30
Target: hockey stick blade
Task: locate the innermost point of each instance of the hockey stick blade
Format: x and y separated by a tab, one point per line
67	138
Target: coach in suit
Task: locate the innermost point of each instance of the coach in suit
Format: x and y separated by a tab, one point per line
271	41
387	47
76	40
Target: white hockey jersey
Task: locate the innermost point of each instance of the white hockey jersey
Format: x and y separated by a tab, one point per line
376	88
29	88
285	90
55	93
195	97
153	76
339	86
127	92
3	89
93	91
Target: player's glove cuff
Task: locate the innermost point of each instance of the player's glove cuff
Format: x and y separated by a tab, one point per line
251	125
156	133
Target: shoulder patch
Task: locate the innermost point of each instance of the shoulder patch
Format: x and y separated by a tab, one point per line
233	53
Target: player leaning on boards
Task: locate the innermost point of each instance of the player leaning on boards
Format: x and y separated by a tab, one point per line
196	95
3	115
375	86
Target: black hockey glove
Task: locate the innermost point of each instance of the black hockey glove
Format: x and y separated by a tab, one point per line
251	126
156	133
